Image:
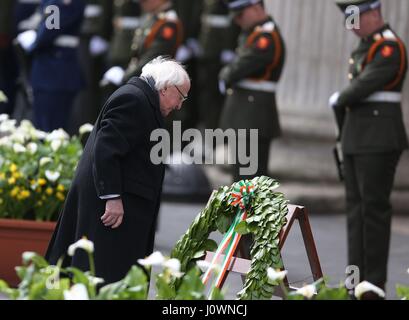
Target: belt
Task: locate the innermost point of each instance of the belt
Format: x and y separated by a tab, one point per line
216	20
67	41
384	96
92	10
263	85
129	22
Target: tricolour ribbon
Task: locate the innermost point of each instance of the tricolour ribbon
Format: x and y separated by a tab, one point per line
240	198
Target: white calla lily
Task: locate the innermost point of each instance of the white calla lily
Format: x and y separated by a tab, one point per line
45	160
173	265
274	275
84	244
95	280
52	175
307	291
85	128
58	134
19	148
32	147
8	125
366	286
55	145
28	255
77	292
4	117
155	259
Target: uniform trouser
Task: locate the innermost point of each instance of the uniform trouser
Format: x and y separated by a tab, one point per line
52	109
369	182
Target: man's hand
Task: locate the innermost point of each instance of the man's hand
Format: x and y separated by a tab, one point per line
26	39
114	213
114	75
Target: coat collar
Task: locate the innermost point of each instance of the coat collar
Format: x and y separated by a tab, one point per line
151	94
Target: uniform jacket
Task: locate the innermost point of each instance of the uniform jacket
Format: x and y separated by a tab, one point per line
159	34
260	58
116	160
378	65
57	67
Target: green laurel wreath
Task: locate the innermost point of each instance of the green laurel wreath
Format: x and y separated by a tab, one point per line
266	215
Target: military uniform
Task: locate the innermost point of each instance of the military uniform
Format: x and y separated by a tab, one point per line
126	19
218	38
159	34
56	75
95	33
373	137
251	80
8	66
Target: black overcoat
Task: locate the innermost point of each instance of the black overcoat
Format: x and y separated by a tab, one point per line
116	160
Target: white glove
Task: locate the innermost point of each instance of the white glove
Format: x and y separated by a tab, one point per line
194	46
227	56
98	46
26	39
333	99
114	75
183	54
222	87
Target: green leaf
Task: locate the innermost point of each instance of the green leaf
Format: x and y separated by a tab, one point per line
223	223
241	228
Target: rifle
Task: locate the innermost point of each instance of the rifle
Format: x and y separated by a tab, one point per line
337	150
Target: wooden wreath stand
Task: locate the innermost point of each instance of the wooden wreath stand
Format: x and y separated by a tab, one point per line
241	264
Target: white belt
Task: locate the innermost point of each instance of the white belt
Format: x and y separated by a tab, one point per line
67	41
266	86
92	10
384	96
216	21
129	22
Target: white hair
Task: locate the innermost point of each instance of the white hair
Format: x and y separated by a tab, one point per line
166	72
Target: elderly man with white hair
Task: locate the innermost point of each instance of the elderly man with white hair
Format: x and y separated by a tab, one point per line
115	195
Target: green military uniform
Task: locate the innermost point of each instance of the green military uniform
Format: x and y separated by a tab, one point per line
189	13
159	34
217	34
126	19
96	27
373	137
252	78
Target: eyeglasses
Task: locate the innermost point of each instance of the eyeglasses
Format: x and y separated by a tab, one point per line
183	97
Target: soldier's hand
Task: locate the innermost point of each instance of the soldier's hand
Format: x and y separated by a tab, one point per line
26	39
333	99
114	213
98	46
114	75
222	87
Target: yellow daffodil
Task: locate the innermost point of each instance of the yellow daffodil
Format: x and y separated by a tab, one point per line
61	188
49	191
25	194
17	174
12	180
2	176
13	167
14	192
32	182
60	196
41	181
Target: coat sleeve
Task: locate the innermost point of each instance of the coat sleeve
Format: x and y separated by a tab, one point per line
251	60
70	15
120	129
375	76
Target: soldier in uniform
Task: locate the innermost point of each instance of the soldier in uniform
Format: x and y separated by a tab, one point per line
8	66
55	74
372	136
95	34
218	40
126	19
160	33
251	79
